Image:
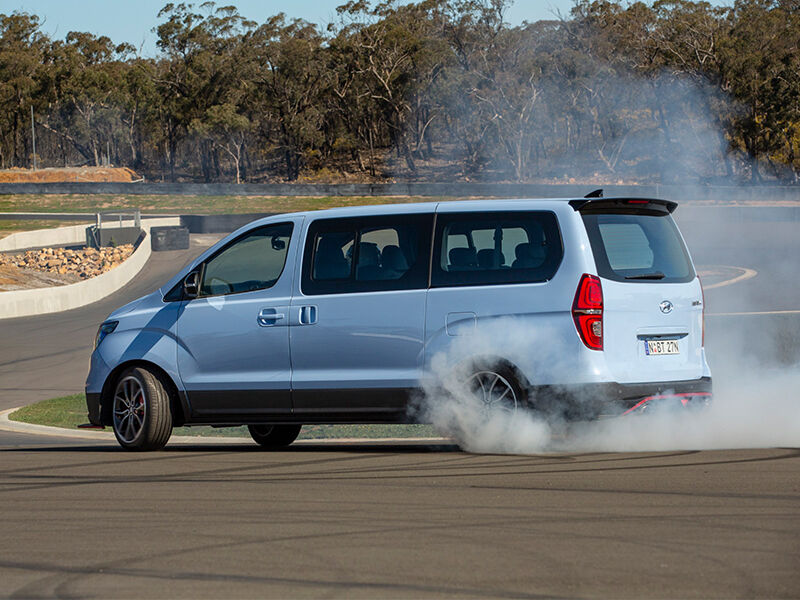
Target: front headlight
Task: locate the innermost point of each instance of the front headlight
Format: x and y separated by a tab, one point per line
103	331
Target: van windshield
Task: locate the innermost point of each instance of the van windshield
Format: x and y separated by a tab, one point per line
638	247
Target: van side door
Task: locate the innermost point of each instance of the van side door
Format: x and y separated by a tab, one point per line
358	318
489	283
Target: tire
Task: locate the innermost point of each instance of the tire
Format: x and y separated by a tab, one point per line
141	415
498	387
274	436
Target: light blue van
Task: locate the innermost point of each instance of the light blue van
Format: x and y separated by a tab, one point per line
590	307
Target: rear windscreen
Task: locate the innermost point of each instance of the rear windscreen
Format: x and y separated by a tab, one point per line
638	247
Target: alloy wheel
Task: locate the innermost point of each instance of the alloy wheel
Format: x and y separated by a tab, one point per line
130	408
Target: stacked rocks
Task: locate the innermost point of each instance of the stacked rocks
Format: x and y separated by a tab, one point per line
85	263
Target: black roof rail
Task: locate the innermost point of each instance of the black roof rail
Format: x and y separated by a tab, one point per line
598	193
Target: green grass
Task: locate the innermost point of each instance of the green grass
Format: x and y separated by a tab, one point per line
70	411
67	412
189	204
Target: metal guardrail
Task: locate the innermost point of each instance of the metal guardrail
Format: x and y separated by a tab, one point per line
135	216
97	235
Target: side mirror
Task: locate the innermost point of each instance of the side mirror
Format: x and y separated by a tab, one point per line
190	285
277	243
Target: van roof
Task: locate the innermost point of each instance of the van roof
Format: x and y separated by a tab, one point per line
479	204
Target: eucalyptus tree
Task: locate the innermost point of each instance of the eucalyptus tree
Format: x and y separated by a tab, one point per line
197	69
286	74
22	48
391	51
86	94
760	58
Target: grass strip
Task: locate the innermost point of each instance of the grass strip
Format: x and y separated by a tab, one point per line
70	411
155	204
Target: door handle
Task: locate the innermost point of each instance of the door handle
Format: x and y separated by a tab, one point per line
308	315
269	316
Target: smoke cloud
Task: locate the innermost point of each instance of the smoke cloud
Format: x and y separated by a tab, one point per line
758	408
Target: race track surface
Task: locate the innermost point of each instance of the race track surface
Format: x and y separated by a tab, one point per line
85	519
397	521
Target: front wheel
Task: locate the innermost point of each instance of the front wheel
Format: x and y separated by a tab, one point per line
274	436
142	418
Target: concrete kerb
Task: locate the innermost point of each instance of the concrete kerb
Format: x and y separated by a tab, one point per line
6	424
25	303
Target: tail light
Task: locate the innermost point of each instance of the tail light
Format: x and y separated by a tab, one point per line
587	311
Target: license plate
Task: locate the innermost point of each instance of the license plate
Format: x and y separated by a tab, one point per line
661	347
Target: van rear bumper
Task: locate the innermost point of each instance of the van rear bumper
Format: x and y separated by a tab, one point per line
596	400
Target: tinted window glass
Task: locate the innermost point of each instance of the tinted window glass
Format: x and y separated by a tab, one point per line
367	254
383	256
638	247
333	255
254	261
494	248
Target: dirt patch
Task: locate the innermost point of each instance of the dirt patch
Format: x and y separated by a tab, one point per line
79	174
13	278
57	266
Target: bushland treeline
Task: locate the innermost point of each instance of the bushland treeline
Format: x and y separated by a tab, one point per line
437	90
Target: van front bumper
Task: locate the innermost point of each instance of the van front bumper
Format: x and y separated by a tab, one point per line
597	400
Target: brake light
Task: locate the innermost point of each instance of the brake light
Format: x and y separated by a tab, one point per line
587	311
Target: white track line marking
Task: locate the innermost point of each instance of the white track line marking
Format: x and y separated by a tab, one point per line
761	312
745	274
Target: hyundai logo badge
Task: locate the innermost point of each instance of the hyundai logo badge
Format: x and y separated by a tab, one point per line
666	307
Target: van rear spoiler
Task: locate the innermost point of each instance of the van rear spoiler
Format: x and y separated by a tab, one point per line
624	204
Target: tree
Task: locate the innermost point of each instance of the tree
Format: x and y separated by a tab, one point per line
22	47
287	74
196	73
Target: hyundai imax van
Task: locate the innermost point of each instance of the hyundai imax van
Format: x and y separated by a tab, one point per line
577	308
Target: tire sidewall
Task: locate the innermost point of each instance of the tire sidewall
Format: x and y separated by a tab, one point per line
157	426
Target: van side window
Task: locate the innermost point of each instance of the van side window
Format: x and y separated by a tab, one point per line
496	248
367	254
253	261
333	255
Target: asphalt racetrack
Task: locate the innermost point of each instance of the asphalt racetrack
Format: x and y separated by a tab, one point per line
83	518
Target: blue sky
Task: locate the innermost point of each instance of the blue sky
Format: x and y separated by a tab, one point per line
126	21
133	21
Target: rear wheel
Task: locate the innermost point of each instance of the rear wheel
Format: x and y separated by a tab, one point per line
497	390
142	419
274	436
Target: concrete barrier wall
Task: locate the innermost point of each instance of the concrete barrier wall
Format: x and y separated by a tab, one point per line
24	303
219	223
60	236
459	189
